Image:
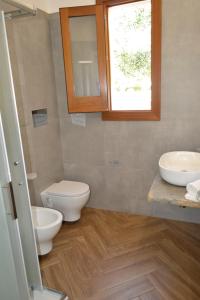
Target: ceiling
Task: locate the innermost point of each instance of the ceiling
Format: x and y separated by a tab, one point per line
49	6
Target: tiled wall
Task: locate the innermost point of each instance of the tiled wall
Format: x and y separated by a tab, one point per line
120	159
31	56
117	159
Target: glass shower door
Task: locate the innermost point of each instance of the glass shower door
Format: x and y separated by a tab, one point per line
20	277
13	281
16	163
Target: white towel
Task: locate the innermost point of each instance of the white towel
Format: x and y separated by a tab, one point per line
190	197
193	188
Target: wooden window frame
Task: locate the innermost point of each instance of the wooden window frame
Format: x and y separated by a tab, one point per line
143	115
84	103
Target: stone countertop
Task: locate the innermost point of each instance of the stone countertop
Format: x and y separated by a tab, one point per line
164	192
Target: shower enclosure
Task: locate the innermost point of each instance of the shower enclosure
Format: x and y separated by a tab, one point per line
20	277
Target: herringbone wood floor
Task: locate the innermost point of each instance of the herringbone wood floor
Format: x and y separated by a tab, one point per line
115	256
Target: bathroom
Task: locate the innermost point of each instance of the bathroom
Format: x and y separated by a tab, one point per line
117	159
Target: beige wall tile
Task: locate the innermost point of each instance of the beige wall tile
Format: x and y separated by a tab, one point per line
31	56
120	159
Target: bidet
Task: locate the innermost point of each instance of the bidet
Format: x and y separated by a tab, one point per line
47	223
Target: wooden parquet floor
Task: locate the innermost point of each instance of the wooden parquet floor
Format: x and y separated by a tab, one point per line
116	256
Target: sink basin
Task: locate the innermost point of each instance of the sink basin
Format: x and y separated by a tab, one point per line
180	167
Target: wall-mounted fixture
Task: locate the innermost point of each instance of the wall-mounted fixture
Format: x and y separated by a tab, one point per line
20	11
39	117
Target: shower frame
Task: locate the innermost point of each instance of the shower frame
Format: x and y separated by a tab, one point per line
20	11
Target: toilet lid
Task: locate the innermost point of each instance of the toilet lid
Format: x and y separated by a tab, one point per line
68	188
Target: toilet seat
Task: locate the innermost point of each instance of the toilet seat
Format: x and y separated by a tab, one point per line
68	188
68	197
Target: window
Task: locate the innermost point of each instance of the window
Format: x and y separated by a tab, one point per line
83	40
130	39
134	51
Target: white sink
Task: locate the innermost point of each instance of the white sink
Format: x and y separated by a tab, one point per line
180	167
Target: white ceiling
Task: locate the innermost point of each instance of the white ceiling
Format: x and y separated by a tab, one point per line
52	6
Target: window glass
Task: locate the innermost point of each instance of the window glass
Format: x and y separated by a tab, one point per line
130	55
84	56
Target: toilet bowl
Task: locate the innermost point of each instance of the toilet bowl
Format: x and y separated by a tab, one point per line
47	223
68	197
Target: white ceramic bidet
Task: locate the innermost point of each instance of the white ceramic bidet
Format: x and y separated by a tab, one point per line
47	223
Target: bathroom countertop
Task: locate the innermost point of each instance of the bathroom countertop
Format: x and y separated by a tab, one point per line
164	192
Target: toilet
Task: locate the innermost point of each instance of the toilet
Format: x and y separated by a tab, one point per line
69	197
47	223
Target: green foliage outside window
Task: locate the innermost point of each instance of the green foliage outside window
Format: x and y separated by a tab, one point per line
134	64
137	64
